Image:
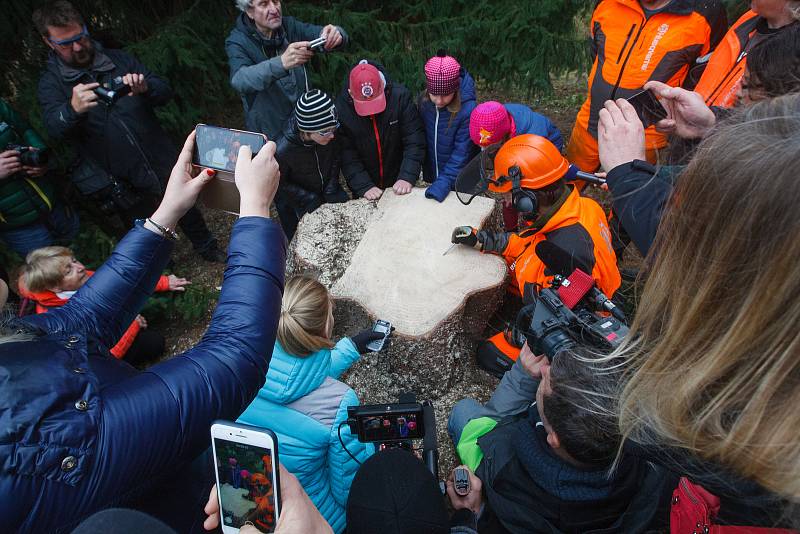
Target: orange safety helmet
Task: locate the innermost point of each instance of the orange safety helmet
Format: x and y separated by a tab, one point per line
538	160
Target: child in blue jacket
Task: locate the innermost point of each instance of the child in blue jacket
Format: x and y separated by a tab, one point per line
303	402
445	108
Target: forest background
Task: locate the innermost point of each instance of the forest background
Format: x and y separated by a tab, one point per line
532	51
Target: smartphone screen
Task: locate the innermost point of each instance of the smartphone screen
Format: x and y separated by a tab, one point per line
246	485
381	327
217	148
388	427
647	107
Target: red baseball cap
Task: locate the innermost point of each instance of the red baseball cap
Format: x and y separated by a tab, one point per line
367	89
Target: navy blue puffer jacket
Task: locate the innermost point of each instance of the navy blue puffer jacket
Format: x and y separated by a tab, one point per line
81	431
448	142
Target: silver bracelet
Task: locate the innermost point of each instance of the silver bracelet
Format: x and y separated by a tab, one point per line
166	232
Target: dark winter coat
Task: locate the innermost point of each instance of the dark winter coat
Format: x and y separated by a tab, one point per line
529	489
81	431
268	90
448	141
380	149
126	138
309	171
23	200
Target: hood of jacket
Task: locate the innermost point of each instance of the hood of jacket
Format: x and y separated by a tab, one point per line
247	27
467	88
290	377
102	64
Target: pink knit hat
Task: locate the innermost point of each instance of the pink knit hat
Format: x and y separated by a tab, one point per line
443	74
489	123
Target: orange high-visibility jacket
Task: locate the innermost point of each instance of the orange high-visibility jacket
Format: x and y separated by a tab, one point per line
630	49
578	227
720	81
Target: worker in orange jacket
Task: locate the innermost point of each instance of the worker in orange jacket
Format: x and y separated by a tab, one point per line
633	42
723	74
531	170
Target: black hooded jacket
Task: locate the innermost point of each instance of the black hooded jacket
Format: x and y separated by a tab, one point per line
309	171
380	149
125	139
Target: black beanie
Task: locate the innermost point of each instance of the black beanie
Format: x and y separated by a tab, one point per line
315	112
394	493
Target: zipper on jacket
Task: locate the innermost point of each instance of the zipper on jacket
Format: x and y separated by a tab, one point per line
625	63
628	38
688	492
378	143
727	77
436	142
321	179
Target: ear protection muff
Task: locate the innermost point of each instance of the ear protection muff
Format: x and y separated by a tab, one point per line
524	201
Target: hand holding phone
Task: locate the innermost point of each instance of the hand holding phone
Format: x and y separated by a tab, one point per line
647	107
381	327
248	483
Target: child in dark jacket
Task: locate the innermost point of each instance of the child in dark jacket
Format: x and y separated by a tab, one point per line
445	107
309	158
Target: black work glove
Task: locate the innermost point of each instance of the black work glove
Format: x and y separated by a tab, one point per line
363	338
464	235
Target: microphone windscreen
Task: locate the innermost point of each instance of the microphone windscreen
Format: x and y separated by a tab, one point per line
575	288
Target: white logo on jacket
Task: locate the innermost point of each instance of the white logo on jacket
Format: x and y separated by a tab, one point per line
661	31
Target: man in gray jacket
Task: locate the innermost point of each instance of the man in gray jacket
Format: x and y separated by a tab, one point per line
267	53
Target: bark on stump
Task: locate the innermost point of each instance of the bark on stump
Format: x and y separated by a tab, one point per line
384	260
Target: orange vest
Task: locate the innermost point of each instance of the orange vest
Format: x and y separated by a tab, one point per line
720	82
630	49
525	265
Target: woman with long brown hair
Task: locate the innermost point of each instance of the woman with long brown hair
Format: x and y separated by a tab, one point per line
713	357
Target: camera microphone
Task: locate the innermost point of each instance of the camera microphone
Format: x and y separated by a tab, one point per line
575	287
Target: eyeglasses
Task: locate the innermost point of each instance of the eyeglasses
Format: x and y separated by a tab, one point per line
328	133
66	43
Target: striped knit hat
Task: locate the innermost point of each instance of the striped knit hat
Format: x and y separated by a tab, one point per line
315	112
442	74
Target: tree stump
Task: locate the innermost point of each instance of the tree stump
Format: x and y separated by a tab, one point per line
385	260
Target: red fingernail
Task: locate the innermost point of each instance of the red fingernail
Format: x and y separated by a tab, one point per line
211	172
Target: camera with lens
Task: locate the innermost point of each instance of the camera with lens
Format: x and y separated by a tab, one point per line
566	314
317	45
30	157
109	92
115	198
395	426
550	326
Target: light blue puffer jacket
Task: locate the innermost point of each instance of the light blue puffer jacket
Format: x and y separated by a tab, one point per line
304	404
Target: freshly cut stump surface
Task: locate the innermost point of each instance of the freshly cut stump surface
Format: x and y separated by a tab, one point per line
385	260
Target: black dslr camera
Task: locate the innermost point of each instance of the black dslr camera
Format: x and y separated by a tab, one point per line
394	426
109	92
565	314
28	157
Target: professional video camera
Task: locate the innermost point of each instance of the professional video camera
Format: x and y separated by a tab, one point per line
29	157
395	426
565	314
109	92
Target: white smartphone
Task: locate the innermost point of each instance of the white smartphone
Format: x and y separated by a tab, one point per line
248	486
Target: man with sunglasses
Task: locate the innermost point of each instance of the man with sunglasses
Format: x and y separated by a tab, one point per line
534	177
309	157
122	141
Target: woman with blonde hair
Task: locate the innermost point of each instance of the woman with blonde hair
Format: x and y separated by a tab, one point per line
713	357
305	405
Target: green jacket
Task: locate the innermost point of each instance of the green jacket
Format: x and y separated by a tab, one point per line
23	200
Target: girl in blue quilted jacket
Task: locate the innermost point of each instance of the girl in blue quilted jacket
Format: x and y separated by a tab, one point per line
445	108
303	402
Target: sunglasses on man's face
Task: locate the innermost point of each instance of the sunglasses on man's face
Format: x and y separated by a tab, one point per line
329	132
66	43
